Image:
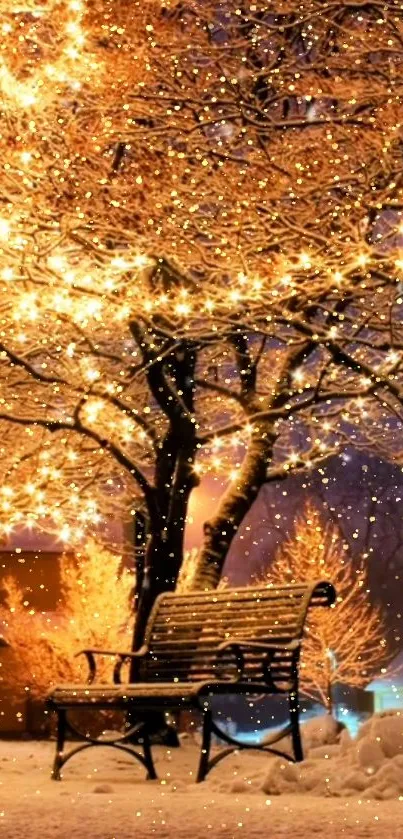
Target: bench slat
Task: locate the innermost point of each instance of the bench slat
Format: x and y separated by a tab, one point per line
251	607
265	618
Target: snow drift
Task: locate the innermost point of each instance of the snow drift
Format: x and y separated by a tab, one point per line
337	765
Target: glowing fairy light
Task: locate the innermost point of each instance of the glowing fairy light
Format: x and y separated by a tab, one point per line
57	262
217	443
7	530
27	308
5	228
182	309
93	409
305	261
92	375
65	533
141	261
298	376
93	308
30	488
393	357
26	157
61	302
118	263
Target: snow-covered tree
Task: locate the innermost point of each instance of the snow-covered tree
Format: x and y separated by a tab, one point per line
94	611
200	265
345	644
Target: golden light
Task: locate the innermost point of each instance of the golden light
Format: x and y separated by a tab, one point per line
79	226
305	261
141	261
93	409
118	263
183	308
57	262
5	228
298	376
58	22
393	357
65	533
30	488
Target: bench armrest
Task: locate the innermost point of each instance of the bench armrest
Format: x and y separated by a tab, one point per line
121	656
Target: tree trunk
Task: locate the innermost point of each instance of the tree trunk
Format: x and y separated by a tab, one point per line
139	539
163	559
236	502
172	384
158	577
329	699
155	580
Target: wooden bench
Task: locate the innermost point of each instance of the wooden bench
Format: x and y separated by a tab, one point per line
197	645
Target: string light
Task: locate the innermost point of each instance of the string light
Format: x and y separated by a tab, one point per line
110	244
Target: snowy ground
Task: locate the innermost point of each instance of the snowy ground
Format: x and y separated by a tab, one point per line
103	794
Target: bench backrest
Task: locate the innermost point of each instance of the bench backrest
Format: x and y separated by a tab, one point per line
184	631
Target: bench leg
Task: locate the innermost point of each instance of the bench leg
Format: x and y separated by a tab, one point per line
148	758
295	730
60	740
205	749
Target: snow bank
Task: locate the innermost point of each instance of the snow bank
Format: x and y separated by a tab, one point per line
103	795
336	765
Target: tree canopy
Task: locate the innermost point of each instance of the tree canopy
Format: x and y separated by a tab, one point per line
347	644
200	255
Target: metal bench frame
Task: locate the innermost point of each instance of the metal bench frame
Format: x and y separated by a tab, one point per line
264	665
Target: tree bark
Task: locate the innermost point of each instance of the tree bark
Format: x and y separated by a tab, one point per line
236	502
171	382
329	699
139	548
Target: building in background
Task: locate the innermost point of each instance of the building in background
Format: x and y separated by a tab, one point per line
388	689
